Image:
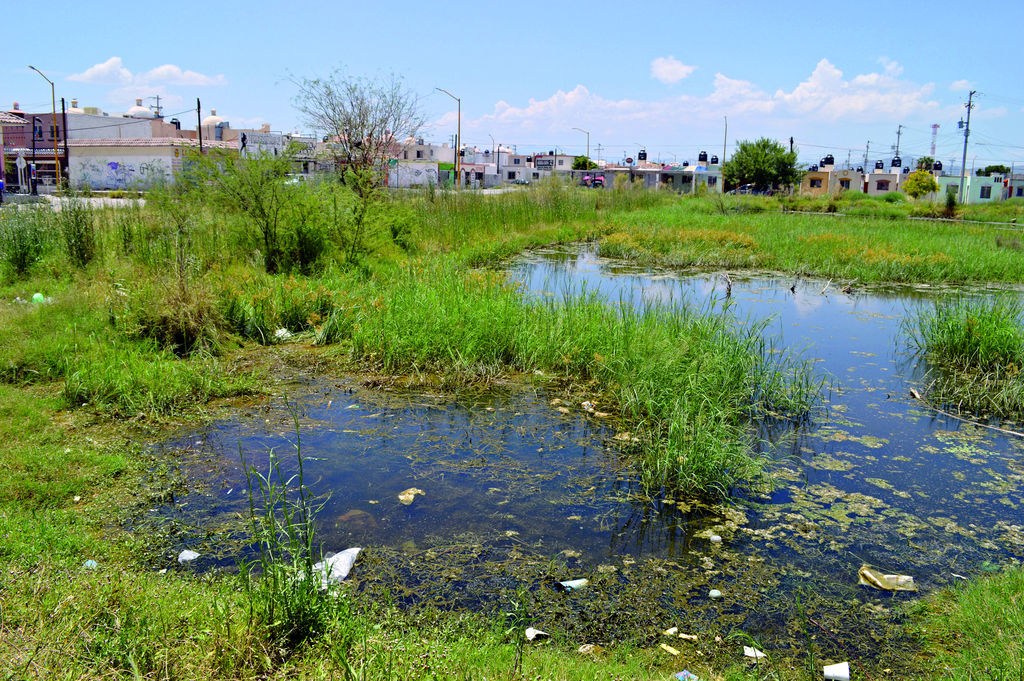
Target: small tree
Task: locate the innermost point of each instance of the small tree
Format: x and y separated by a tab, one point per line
925	163
994	170
583	163
765	164
365	120
919	183
256	186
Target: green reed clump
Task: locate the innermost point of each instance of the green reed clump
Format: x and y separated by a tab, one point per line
283	589
25	237
686	382
76	226
976	349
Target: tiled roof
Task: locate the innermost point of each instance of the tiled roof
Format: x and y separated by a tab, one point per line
11	119
152	142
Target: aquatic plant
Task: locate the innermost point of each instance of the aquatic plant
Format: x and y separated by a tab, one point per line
282	586
976	349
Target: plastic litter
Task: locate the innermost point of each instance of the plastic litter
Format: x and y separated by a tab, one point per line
715	539
589	649
408	496
715	593
837	672
532	634
669	649
282	334
688	637
571	584
187	556
686	675
38	298
871	577
671	632
335	569
90	564
753	652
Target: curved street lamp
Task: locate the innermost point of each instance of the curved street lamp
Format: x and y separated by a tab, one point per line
458	139
588	144
53	122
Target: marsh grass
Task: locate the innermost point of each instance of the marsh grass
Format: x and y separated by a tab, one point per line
690	233
25	237
686	382
976	350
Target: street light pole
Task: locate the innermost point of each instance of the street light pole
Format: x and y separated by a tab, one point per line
458	139
53	121
588	145
31	176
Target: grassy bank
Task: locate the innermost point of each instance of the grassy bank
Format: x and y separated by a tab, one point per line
976	351
738	234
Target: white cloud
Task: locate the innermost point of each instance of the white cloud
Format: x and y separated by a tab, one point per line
869	96
960	86
110	72
174	75
670	70
113	72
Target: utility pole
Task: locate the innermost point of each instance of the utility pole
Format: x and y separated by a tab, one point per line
157	98
199	125
64	118
899	132
599	147
867	152
967	133
935	133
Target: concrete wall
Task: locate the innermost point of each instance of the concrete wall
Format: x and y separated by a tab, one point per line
893	180
854	181
123	167
413	174
815	183
89	127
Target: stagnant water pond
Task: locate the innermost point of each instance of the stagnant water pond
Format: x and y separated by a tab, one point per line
519	492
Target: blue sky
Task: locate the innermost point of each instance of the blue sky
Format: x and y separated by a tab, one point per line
634	74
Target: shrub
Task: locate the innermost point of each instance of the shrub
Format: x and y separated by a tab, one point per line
24	238
79	232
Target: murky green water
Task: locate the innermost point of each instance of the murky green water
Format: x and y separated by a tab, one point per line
519	491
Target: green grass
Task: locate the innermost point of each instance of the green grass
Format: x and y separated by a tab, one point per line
695	233
976	350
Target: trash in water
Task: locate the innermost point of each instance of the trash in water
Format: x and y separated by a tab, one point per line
335	569
588	406
571	584
90	564
589	649
187	556
408	496
753	652
669	649
876	579
671	632
837	672
686	675
532	634
715	539
715	593
688	637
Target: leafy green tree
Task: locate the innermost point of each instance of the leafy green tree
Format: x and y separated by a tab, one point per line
583	163
994	170
925	163
919	183
765	164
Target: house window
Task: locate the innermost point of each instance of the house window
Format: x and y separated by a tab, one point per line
986	192
511	174
1020	191
54	132
419	153
405	155
815	182
37	130
536	176
882	185
844	184
712	181
479	177
515	161
561	162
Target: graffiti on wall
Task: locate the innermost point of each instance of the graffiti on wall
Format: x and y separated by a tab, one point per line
106	174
